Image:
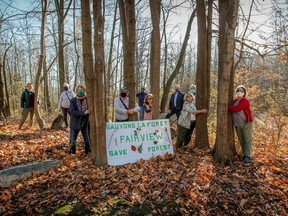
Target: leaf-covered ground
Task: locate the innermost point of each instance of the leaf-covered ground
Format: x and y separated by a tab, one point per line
186	183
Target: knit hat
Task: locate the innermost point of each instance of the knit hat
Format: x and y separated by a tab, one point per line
243	87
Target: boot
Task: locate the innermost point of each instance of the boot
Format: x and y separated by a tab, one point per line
72	149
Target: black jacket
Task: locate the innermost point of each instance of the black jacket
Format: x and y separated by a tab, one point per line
25	98
179	102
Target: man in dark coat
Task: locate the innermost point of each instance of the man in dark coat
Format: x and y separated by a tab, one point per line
27	105
176	103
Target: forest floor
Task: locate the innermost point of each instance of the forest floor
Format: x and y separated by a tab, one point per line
185	183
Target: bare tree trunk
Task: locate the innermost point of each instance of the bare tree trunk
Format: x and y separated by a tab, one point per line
39	119
46	82
7	105
202	77
155	57
100	147
127	17
108	82
224	147
179	63
1	90
61	18
75	46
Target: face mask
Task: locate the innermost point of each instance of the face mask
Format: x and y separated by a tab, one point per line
65	88
80	93
239	94
123	94
177	90
193	91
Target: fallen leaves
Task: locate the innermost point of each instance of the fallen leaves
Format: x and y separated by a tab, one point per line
186	183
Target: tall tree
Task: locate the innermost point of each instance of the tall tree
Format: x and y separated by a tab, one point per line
45	4
94	79
61	17
179	63
127	17
203	71
155	56
224	146
98	105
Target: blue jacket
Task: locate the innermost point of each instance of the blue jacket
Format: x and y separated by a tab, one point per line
77	118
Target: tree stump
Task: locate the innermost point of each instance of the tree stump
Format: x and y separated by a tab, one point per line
58	122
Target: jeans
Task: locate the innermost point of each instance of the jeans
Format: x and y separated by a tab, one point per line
142	113
85	134
177	112
244	134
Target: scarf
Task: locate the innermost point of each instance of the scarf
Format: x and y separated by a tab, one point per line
82	103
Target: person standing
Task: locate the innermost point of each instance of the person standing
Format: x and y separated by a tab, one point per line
141	96
187	121
27	105
79	119
243	121
121	106
193	89
176	103
148	107
64	102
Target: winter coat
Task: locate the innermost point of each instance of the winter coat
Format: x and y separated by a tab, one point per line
77	118
244	105
65	98
25	98
186	115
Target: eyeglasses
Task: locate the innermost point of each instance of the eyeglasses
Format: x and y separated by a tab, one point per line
149	98
238	90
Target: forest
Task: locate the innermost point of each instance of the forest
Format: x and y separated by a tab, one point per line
105	45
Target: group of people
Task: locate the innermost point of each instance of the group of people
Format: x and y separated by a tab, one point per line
183	105
75	105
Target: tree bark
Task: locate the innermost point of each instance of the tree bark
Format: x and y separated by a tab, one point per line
224	146
99	157
127	17
61	17
202	77
1	90
39	119
155	57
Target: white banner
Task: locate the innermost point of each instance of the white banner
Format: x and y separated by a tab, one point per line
127	142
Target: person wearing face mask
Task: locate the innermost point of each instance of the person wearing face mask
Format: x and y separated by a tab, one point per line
79	120
121	106
64	102
243	121
193	91
187	121
176	103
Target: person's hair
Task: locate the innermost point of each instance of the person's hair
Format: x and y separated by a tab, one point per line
189	94
244	89
80	86
66	85
28	84
146	98
193	86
